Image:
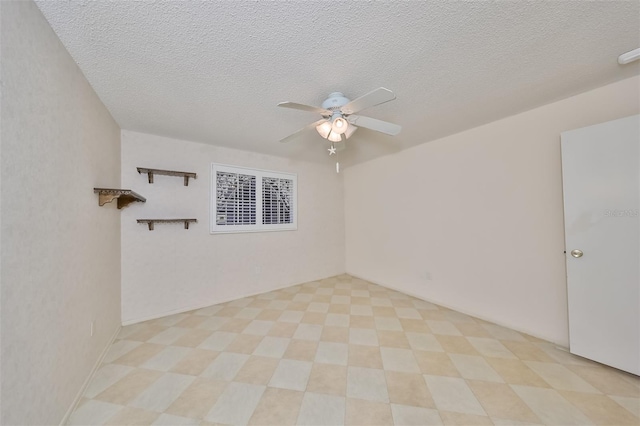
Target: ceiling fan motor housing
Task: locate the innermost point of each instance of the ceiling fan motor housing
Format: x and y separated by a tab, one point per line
335	101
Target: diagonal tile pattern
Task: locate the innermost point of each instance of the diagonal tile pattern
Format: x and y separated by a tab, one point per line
345	351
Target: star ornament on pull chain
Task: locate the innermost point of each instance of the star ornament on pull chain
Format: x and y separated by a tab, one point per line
332	150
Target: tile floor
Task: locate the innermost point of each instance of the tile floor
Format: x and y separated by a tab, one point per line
345	351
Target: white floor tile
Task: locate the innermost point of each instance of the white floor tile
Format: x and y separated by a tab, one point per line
414	416
444	328
308	332
94	412
291	374
107	375
475	368
169	420
424	342
159	395
550	406
363	336
166	358
225	366
453	394
395	359
490	347
332	353
119	348
236	404
168	336
560	377
258	327
218	341
273	347
367	383
338	320
319	409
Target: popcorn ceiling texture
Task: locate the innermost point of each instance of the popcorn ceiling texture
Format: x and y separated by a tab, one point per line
213	71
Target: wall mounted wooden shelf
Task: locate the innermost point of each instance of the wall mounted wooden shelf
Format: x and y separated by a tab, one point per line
151	172
124	196
150	222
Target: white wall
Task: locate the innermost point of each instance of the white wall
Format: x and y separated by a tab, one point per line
172	269
474	221
60	251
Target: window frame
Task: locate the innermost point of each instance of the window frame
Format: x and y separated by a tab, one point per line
214	228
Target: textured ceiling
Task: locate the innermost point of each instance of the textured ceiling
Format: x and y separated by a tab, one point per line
213	72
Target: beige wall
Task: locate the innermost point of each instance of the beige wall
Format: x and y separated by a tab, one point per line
60	251
172	269
474	221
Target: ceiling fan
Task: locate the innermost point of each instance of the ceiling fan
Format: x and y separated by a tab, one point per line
339	121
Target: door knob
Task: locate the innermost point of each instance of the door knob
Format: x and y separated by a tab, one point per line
576	253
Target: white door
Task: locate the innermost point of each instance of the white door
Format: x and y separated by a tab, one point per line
601	182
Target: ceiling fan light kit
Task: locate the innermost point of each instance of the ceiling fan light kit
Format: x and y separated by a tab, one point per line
338	121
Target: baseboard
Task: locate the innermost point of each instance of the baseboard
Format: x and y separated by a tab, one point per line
76	400
211	303
463	311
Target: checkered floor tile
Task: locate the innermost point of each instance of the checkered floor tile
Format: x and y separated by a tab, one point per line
345	351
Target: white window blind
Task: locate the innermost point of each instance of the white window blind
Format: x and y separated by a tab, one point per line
251	200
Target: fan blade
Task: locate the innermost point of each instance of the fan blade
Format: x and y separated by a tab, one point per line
376	97
304	129
374	124
293	105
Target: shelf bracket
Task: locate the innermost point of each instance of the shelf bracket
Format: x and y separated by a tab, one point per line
151	172
124	196
150	222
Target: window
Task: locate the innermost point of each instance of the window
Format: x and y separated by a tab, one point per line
248	200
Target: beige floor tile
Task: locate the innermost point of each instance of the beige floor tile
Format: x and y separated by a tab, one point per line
365	356
147	332
396	358
516	372
197	399
225	366
302	350
139	355
526	351
415	326
160	394
195	362
436	364
472	329
129	387
609	380
456	345
244	344
600	409
269	315
257	370
193	337
133	416
453	394
408	389
192	321
361	321
314	318
277	407
365	413
283	329
235	325
461	419
475	368
393	339
550	406
335	334
490	347
560	377
499	400
329	379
